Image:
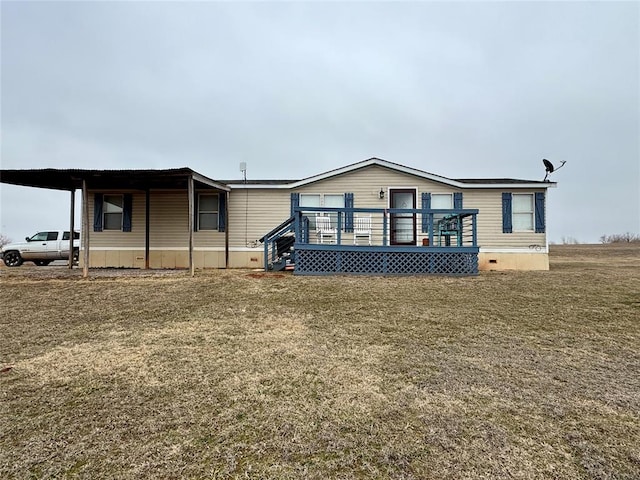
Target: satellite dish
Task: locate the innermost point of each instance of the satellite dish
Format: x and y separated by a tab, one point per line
549	168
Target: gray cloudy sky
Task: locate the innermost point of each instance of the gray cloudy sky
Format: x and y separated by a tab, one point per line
471	89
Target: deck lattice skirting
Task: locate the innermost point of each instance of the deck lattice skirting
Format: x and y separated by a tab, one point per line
328	260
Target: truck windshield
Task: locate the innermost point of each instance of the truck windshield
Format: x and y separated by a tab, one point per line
44	237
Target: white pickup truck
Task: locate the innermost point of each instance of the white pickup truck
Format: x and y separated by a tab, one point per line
41	249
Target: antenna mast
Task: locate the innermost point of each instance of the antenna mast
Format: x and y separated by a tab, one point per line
243	169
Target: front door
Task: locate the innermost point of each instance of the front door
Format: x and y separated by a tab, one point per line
403	225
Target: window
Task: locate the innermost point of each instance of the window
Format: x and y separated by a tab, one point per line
310	200
440	200
522	212
208	212
112	211
322	200
334	201
44	237
65	235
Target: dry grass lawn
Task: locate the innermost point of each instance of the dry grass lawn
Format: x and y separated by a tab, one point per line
234	374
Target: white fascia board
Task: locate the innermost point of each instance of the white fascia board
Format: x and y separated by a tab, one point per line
462	186
262	186
510	186
211	183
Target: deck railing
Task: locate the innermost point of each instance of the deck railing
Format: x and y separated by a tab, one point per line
401	242
274	257
390	226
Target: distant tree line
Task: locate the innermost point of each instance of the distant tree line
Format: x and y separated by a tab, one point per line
620	238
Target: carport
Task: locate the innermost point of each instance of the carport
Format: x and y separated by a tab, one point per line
182	179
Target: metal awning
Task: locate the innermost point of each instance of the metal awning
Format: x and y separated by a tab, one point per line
143	180
71	179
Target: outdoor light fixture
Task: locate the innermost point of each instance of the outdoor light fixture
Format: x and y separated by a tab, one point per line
381	194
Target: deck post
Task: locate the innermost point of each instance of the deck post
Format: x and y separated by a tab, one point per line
430	226
474	231
384	228
266	256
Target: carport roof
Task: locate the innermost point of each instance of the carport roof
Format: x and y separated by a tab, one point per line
70	179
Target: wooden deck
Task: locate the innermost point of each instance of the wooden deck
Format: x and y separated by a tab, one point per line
425	242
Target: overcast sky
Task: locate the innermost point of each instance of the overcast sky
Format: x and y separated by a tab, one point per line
473	89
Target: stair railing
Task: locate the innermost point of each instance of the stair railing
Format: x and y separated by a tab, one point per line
270	246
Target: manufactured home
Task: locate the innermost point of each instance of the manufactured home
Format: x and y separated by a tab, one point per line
370	217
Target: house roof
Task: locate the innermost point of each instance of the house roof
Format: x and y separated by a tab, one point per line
70	179
458	183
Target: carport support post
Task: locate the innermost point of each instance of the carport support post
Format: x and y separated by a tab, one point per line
190	192
85	228
72	226
147	236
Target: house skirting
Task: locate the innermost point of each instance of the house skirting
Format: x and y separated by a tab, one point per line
179	258
172	258
518	260
385	260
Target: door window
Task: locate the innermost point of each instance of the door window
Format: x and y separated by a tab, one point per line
403	225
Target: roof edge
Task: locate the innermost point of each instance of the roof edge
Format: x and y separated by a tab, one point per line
457	183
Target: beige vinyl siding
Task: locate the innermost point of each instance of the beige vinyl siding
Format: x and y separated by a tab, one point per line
270	207
489	204
119	239
168	224
267	208
207	239
169	220
365	184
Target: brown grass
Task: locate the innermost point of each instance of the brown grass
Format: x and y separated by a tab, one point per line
236	375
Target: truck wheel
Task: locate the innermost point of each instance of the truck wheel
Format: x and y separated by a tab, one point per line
42	263
12	259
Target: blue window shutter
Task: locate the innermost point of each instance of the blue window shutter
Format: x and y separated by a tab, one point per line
97	212
457	200
426	205
222	211
295	201
348	218
507	225
127	210
540	224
